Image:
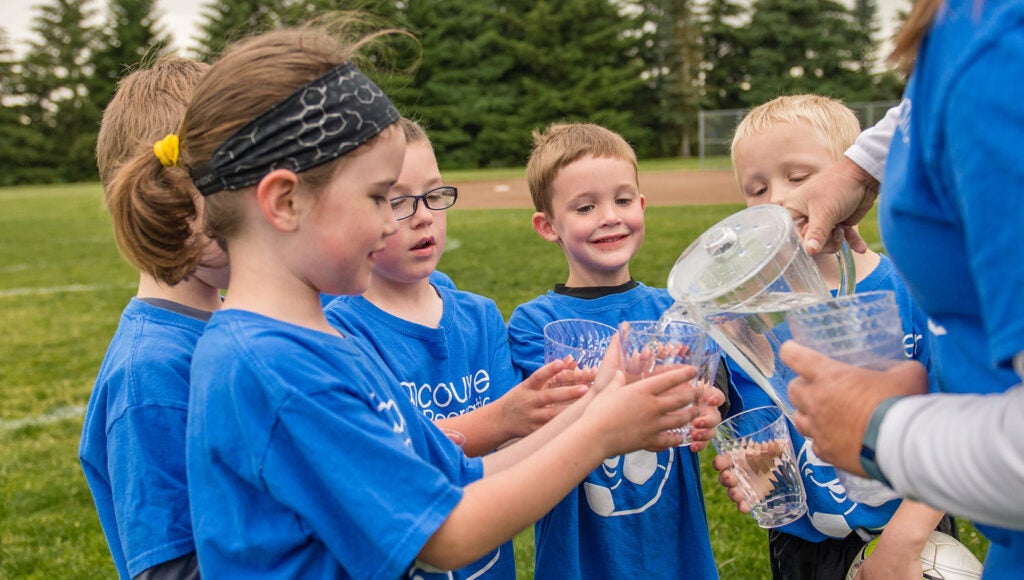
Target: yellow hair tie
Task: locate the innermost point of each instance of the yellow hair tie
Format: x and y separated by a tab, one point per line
166	150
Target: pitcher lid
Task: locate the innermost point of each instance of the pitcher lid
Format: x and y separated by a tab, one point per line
737	257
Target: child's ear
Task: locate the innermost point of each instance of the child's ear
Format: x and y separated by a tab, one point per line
277	197
643	202
542	225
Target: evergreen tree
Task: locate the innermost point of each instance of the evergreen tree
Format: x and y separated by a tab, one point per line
724	55
800	46
131	34
572	60
865	13
224	21
674	59
460	89
21	144
56	78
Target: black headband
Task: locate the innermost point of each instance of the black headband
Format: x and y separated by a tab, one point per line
323	120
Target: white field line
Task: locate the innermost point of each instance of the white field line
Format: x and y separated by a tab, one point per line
52	417
61	289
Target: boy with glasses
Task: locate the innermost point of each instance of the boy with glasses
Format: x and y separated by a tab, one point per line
449	349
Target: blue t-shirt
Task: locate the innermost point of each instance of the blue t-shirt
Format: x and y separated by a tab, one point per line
133	439
639	515
461	365
437	278
951	197
830	513
303	463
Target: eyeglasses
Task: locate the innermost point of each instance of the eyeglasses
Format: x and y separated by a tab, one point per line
436	199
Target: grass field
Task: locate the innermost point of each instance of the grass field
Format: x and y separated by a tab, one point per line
63	285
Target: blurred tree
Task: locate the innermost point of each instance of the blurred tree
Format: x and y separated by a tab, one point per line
863	49
673	60
724	54
571	60
22	145
56	77
800	46
130	35
224	21
461	89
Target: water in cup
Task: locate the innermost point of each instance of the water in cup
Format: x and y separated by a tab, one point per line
758	445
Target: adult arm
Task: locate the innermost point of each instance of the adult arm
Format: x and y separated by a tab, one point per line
963	453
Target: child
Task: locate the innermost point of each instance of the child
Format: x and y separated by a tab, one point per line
302	461
449	349
640	514
133	440
777	146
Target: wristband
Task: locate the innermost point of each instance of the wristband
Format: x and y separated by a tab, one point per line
870	441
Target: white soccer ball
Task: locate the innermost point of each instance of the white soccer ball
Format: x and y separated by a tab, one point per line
943	558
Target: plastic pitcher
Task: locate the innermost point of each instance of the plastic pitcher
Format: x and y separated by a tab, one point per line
741	277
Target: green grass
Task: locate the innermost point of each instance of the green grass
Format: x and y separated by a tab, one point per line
667	164
63	285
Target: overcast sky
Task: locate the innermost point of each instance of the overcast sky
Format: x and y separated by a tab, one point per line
180	17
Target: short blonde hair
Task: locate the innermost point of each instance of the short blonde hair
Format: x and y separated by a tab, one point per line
835	124
564	143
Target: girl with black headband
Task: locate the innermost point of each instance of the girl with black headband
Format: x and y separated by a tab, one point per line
304	461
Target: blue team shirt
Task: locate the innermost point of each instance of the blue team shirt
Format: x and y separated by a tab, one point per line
461	365
952	196
304	463
133	440
830	513
437	278
639	515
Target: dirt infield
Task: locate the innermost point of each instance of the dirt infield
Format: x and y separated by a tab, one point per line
660	187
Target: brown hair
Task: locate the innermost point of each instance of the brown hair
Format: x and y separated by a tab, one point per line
414	132
564	143
149	225
252	76
149	104
835	125
913	31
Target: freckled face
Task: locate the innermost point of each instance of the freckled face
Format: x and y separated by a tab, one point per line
597	217
772	163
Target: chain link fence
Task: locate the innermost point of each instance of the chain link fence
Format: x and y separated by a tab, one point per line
716	127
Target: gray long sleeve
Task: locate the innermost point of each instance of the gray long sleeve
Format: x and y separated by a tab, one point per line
960	453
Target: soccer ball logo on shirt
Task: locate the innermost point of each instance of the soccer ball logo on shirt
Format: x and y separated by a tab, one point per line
628	484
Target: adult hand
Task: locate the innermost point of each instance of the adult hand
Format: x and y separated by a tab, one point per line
828	204
834	401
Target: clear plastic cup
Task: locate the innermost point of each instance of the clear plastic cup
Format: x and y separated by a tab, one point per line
653	346
585	341
758	445
863	330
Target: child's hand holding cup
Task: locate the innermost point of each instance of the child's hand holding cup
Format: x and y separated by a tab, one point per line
650	347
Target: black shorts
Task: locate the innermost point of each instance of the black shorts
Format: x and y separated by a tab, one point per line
793	558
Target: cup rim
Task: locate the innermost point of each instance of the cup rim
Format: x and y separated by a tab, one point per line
732	419
610	330
833	304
